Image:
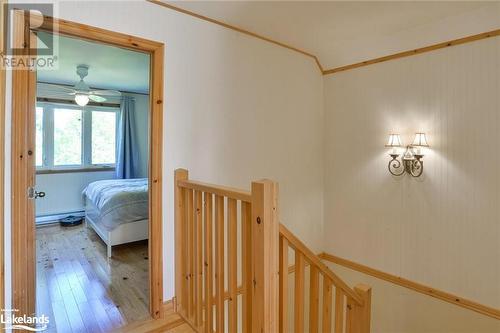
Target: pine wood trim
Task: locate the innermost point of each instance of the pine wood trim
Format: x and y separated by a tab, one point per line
22	232
23	97
2	165
415	286
421	50
323	71
241	30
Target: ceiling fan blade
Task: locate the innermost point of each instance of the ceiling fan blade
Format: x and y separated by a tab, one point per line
106	92
63	90
96	98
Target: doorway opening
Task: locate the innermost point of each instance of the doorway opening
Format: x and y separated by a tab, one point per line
91	186
95	127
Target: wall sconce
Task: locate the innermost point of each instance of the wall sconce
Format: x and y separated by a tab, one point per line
411	161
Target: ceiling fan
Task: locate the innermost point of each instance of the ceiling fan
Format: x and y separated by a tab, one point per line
82	91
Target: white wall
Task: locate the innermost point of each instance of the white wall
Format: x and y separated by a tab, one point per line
63	191
236	109
443	229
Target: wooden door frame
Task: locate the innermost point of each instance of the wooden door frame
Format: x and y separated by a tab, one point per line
23	108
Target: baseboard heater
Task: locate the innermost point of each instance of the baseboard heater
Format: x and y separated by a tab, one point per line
54	218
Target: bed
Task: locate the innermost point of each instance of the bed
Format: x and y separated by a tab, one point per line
117	210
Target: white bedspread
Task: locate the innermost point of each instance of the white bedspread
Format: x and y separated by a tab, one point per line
118	201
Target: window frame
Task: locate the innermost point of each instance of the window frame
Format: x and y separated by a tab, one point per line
86	138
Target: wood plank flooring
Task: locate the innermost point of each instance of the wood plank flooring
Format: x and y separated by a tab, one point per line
170	323
80	290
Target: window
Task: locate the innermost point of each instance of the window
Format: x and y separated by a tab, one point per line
67	137
71	137
103	137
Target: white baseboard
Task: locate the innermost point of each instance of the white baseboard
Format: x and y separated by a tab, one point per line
46	219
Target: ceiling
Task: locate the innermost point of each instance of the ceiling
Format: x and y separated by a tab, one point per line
110	67
342	33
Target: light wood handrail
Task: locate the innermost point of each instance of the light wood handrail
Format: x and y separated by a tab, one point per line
313	259
415	286
222	191
207	220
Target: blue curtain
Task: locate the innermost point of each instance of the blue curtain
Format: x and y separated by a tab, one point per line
128	153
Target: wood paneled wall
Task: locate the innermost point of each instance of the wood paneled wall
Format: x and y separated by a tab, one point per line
442	229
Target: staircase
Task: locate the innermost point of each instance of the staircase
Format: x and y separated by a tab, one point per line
239	270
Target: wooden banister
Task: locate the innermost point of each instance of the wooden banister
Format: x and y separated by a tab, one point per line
210	256
358	316
265	256
222	191
315	260
180	255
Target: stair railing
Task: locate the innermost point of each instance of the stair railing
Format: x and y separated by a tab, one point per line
349	313
231	251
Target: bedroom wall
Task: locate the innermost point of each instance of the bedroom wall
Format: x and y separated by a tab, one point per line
63	190
236	109
442	229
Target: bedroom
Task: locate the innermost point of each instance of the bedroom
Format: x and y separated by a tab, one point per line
91	186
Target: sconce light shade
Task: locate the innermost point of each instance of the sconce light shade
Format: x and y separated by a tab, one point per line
411	161
420	140
394	141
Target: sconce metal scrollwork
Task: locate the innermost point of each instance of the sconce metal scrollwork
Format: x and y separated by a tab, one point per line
411	161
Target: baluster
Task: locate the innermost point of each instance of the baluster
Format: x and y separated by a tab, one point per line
232	264
190	254
246	241
327	305
283	315
299	292
208	263
219	263
350	324
314	300
339	310
198	271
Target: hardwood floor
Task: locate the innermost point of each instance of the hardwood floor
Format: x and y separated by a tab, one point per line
80	290
171	323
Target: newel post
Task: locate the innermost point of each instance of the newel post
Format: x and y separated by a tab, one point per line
180	212
359	316
265	256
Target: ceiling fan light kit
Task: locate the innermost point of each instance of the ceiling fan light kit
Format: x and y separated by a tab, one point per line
82	93
81	99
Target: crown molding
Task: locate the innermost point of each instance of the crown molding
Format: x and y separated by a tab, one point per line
421	50
330	71
232	27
